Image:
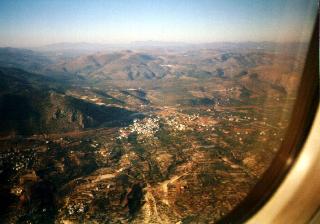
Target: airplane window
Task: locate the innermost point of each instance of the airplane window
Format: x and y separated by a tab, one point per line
147	111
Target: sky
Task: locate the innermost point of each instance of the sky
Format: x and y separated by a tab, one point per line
36	23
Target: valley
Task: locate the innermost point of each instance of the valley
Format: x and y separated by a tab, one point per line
139	136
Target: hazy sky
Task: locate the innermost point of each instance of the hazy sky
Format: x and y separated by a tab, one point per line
34	23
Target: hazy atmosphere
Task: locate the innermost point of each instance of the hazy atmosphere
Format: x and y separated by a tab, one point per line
35	23
144	112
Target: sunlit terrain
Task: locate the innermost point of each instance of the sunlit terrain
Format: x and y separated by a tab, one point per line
143	111
153	136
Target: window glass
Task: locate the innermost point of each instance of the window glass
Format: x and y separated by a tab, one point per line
143	111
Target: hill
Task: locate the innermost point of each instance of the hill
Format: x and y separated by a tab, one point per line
31	103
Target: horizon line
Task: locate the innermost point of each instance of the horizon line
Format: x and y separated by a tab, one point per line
171	43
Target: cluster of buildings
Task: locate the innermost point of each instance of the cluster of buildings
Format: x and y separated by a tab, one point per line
75	208
17	158
144	128
148	127
193	122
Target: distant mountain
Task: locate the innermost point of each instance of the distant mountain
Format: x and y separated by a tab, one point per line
235	61
82	47
34	62
71	49
151	43
24	59
77	48
124	65
152	65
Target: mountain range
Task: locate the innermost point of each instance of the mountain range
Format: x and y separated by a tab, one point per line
35	84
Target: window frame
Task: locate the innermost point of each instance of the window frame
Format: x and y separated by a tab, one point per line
302	118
